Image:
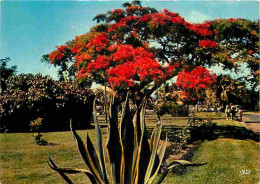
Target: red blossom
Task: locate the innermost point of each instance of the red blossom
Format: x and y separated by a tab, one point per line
55	55
200	29
99	42
207	44
78	47
81	58
250	52
62	48
199	78
102	62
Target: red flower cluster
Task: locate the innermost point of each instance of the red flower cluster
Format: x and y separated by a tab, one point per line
62	48
83	56
117	11
145	18
99	42
161	18
132	63
200	29
199	78
102	62
207	44
122	23
234	19
57	54
122	74
174	17
171	68
78	47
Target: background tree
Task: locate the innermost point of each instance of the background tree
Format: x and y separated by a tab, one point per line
6	72
228	90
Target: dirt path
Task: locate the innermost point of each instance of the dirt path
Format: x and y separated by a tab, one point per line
252	121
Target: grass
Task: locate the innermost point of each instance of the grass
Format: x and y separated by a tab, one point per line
22	161
226	158
210	114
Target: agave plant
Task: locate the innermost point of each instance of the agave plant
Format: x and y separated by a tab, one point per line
132	156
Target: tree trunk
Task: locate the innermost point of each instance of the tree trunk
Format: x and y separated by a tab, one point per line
105	102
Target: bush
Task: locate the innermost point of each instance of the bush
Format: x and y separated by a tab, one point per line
35	128
201	129
173	109
28	97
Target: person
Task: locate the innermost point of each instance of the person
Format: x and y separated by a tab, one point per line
227	111
240	114
233	111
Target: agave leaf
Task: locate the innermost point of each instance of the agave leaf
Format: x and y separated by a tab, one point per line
187	163
144	149
138	130
88	154
93	156
114	147
174	164
73	171
127	137
99	143
161	153
55	168
154	147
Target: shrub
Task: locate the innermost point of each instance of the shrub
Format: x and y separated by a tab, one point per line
201	129
28	97
173	109
35	128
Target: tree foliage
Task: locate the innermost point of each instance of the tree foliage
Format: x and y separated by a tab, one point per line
226	90
6	71
139	48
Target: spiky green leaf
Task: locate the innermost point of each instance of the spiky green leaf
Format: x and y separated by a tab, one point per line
174	164
113	143
55	168
127	137
154	147
99	143
87	154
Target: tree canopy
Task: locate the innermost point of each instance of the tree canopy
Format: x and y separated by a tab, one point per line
137	48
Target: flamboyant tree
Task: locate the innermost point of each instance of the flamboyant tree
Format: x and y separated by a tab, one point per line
138	48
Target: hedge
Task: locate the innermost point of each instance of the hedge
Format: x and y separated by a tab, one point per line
26	97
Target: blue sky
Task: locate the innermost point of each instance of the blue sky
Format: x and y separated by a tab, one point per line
30	29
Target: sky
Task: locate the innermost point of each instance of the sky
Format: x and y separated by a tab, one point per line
30	29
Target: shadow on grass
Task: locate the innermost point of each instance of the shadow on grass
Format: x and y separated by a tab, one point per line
212	132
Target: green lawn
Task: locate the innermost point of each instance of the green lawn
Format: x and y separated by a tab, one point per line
22	161
226	158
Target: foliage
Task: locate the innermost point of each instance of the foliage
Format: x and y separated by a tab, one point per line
201	129
239	40
6	71
120	49
225	91
35	128
173	109
133	158
28	97
179	138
